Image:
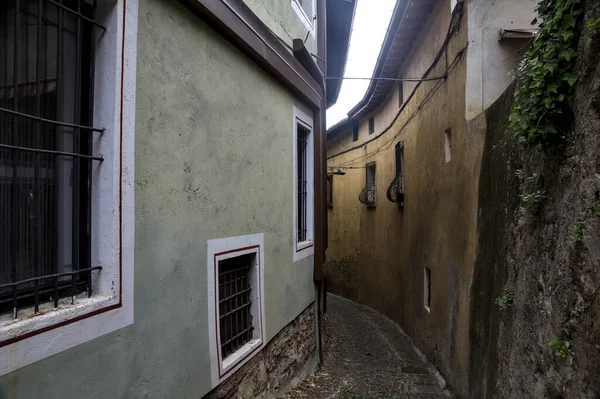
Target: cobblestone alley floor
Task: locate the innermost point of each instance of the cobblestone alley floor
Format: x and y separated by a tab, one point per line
366	356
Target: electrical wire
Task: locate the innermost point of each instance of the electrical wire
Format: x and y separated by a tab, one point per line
388	79
452	29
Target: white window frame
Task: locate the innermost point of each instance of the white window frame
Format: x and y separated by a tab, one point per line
306	248
25	339
225	248
306	19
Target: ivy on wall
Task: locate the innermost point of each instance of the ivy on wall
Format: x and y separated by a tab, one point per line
546	74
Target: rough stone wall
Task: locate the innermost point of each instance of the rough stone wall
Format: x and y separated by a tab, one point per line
555	281
274	366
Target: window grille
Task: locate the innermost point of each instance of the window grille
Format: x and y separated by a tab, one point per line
368	194
46	103
395	192
302	158
235	288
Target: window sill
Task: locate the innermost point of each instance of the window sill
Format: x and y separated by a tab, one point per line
301	246
49	316
235	358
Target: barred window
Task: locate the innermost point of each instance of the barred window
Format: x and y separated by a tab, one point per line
395	191
368	194
235	291
46	102
302	182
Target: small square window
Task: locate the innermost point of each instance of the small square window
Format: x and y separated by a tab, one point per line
372	125
235	299
448	145
427	288
235	279
355	133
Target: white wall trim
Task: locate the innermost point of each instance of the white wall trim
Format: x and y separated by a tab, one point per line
301	250
306	19
113	221
220	249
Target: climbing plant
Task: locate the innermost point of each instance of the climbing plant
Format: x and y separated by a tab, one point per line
546	74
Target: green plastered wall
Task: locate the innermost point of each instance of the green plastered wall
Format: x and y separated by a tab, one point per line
214	159
281	18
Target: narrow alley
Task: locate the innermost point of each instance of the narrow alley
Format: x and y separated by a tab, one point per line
367	356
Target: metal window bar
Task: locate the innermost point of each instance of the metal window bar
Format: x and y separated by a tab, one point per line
46	154
395	192
368	194
235	319
302	149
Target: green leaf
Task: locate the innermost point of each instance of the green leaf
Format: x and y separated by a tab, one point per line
570	78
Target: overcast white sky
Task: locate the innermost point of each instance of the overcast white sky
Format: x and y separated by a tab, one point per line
371	21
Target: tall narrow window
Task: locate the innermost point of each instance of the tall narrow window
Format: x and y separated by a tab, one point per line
400	94
303	185
368	194
355	133
448	145
46	102
372	125
395	192
330	190
427	288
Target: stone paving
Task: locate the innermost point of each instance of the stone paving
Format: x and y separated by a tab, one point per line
367	356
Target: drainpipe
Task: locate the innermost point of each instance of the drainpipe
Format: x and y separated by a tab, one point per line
317	71
320	147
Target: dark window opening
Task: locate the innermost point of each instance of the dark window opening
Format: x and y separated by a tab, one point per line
235	288
46	86
448	145
330	190
372	125
368	194
395	192
427	288
355	133
302	158
400	94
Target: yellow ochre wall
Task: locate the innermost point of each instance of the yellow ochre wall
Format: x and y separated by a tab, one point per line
376	256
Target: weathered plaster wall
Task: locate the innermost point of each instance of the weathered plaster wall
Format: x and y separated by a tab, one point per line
213	159
272	370
490	60
281	18
436	228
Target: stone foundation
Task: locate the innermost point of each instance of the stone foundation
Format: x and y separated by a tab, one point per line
274	367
